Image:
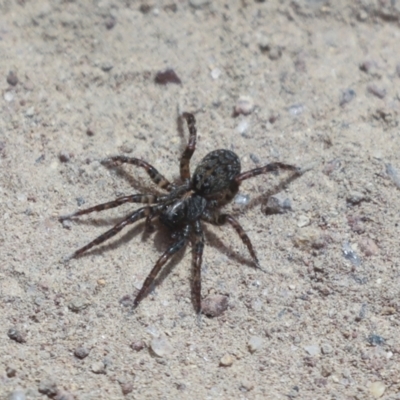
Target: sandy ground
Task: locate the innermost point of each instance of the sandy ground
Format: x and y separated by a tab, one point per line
321	80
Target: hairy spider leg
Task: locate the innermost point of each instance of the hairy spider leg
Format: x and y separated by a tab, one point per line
197	250
135	198
132	218
154	175
190	148
174	248
221	219
272	167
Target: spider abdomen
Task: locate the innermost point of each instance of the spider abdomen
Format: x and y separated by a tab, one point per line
215	172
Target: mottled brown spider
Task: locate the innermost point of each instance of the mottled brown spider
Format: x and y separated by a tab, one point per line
198	198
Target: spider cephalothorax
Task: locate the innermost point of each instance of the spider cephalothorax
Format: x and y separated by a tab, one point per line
199	198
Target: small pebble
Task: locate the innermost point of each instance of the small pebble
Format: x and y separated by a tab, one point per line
312	350
106	66
197	4
78	304
167	76
278	204
11	371
161	347
16	335
246	386
377	389
215	73
296	109
61	395
347	96
145	8
214	305
81	352
48	387
303	221
368	247
393	174
355	197
244	106
326	348
242	199
98	367
275	52
226	360
110	22
376	91
90	131
8	97
12	78
64	156
398	69
255	343
350	254
30	112
375	340
370	67
138	345
264	43
126	388
242	127
255	158
309	238
16	395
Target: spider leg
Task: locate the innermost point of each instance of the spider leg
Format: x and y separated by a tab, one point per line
197	250
174	248
221	219
135	198
154	175
190	148
269	168
137	215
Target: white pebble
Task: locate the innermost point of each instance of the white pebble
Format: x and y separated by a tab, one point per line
8	96
226	360
215	73
242	126
255	343
312	350
377	389
244	105
303	221
161	347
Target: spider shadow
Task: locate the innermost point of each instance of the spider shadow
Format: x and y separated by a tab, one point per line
262	198
217	243
133	182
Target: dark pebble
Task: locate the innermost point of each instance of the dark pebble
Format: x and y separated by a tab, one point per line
16	335
90	131
110	22
214	305
347	96
368	66
167	76
171	7
48	387
145	8
376	340
11	372
12	78
376	91
81	352
63	156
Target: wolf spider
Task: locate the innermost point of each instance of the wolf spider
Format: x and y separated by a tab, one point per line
198	198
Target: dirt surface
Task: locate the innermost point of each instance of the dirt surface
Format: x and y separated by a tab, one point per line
320	84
